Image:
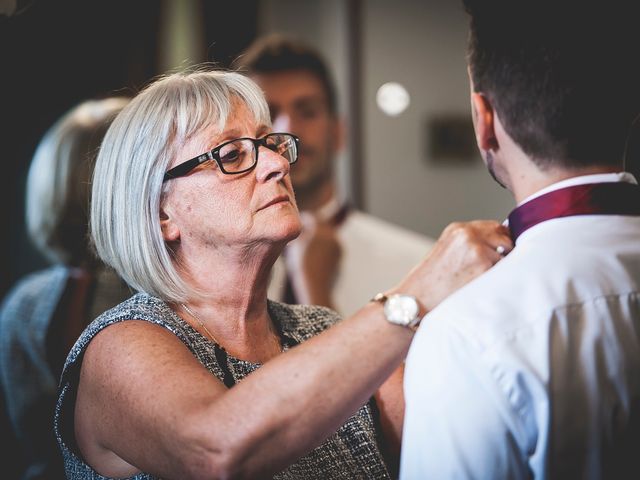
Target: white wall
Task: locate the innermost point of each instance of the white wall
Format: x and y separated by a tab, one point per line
422	45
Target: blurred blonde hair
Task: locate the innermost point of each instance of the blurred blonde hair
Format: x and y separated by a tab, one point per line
57	193
137	149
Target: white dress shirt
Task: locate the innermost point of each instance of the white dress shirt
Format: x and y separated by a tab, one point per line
533	369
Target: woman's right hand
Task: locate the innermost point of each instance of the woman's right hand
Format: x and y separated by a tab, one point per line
462	253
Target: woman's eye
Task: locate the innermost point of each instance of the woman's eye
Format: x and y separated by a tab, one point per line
230	156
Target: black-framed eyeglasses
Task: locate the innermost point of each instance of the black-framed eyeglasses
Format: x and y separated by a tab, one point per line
241	155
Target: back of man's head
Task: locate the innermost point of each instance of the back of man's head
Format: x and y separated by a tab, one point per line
563	76
278	53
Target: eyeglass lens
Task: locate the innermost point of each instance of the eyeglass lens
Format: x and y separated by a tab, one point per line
237	156
283	145
241	155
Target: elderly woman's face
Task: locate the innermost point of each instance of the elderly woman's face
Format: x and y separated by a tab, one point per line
207	208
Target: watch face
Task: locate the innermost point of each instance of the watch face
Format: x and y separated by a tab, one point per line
401	309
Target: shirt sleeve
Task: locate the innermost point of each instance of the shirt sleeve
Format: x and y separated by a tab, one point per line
458	423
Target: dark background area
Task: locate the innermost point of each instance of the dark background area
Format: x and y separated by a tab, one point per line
54	54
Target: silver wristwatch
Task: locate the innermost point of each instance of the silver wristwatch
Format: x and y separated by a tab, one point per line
400	309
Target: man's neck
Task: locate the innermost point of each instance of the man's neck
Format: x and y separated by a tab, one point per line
313	201
522	175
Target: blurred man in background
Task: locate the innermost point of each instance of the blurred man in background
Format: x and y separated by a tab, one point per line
343	255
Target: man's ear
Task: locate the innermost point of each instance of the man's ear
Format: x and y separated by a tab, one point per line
484	122
170	231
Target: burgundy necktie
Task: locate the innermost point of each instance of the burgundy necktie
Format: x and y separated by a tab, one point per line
337	219
614	198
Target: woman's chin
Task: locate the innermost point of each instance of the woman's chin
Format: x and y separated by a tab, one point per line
283	233
295	234
290	225
292	232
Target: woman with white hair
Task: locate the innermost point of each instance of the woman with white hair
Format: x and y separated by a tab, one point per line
199	375
43	315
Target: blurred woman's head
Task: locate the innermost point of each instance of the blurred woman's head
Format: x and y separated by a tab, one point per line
58	183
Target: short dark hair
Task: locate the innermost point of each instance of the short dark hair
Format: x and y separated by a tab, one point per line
562	75
277	53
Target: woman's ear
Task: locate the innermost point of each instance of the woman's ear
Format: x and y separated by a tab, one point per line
483	121
170	231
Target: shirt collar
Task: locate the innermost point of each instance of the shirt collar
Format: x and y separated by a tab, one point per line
330	208
581	180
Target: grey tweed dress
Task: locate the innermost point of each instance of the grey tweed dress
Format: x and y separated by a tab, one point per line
352	452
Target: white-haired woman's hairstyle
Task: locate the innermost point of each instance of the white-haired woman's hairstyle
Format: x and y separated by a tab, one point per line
136	152
57	191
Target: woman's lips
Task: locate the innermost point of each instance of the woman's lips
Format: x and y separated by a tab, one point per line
275	201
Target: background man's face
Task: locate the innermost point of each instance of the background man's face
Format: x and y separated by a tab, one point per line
299	105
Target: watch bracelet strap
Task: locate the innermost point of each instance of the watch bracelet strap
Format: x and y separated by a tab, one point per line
381	298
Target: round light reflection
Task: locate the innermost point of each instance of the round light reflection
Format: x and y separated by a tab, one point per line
393	98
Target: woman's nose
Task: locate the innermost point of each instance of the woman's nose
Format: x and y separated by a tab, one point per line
271	165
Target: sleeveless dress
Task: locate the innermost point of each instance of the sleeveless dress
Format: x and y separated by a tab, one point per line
352	452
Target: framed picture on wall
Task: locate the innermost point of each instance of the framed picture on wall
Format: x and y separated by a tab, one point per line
450	139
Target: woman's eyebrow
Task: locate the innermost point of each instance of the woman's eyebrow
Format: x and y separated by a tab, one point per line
234	132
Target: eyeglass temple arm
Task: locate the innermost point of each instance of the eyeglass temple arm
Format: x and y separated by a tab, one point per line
187	166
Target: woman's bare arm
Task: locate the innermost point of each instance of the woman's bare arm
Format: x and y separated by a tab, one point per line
145	403
390	401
